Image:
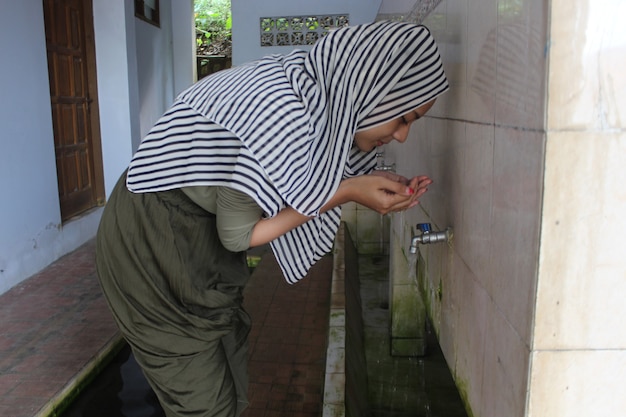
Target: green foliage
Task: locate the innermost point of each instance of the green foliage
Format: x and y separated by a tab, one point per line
213	26
213	15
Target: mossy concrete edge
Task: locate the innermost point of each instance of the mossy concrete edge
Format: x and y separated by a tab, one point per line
64	398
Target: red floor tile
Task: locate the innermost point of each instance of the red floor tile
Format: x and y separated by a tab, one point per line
55	323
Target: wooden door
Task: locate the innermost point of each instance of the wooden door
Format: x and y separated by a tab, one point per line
71	69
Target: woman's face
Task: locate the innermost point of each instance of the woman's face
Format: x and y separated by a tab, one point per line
397	129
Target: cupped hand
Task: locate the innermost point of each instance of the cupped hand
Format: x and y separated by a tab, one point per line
386	192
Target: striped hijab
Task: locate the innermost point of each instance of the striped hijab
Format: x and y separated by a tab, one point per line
280	129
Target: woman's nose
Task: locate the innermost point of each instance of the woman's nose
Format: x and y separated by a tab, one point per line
401	133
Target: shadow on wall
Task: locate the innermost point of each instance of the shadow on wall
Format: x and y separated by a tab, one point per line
510	50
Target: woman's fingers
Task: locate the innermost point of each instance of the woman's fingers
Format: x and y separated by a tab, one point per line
419	185
388	192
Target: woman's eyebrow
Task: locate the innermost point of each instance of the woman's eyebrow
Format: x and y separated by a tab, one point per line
406	117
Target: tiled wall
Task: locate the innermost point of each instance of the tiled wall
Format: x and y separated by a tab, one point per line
369	229
579	336
528	155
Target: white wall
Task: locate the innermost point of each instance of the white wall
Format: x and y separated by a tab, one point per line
141	69
247	14
183	44
118	91
31	233
165	57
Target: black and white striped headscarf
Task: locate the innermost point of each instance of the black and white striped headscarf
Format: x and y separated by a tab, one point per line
280	129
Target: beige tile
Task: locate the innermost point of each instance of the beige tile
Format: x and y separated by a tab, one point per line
505	372
451	293
481	65
370	227
471	335
520	66
473	228
582	282
588	43
443	201
577	383
412	156
518	177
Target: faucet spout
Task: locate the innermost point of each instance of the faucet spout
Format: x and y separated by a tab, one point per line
427	236
390	167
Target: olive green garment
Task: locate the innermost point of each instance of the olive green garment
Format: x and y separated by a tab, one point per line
237	213
176	294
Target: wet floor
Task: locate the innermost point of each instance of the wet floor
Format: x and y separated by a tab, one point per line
398	386
287	348
401	386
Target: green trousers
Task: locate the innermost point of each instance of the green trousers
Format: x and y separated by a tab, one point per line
176	295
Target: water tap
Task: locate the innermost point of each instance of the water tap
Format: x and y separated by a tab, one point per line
427	236
380	163
383	167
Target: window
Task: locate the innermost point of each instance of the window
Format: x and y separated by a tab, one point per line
148	10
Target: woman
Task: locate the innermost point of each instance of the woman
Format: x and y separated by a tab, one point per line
264	152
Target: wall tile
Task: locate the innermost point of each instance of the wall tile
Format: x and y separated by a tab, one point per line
520	64
505	369
471	334
577	383
451	36
481	88
518	176
591	96
451	316
582	268
446	162
372	231
473	231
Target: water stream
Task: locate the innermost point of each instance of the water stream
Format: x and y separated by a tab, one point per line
413	268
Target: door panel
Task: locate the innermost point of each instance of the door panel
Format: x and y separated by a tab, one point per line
71	68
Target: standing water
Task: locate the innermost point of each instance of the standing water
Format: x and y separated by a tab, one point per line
120	390
401	386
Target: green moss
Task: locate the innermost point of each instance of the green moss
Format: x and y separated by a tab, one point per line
253	261
409	315
61	404
462	387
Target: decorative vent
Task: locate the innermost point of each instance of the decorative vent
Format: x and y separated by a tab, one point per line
299	30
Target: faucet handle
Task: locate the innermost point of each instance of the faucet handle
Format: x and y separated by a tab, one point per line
424	227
